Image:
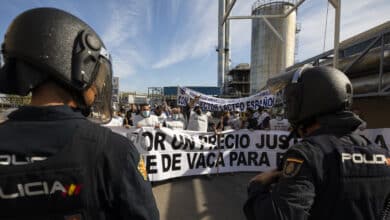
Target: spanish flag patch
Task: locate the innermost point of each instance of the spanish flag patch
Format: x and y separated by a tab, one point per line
142	168
291	167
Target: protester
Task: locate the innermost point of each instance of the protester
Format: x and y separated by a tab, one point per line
235	120
128	119
131	115
212	127
333	173
263	119
134	108
279	122
223	123
197	120
176	121
244	120
251	121
64	166
166	109
147	120
116	121
162	117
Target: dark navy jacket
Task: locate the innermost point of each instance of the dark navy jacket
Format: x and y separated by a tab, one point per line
55	164
332	174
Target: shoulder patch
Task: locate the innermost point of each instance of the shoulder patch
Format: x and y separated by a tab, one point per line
142	168
291	167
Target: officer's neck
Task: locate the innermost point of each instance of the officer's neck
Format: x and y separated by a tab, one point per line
50	94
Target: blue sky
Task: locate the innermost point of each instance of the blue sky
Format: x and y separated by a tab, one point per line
172	42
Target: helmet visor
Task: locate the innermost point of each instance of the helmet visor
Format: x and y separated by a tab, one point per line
279	83
101	109
287	89
277	87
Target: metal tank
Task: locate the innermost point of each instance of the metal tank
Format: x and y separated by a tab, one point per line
269	55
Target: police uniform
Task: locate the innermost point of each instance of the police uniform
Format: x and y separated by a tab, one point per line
55	164
332	174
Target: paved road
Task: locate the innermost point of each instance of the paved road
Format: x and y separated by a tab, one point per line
203	198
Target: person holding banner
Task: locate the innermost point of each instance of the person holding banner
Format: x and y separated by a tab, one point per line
146	118
263	119
224	124
162	117
235	120
251	121
128	119
333	173
176	121
197	120
130	116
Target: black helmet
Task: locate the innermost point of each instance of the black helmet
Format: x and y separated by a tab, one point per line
315	91
47	43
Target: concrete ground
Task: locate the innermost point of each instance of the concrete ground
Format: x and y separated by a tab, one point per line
217	197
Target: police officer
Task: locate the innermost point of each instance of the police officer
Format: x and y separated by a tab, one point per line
333	173
54	163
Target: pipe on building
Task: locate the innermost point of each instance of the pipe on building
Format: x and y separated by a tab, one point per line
369	84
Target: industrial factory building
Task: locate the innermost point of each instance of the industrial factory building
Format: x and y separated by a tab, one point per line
365	58
238	81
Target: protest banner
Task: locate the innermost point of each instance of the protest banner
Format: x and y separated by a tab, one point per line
172	153
379	136
210	103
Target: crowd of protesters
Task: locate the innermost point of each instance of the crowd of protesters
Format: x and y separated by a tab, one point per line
192	118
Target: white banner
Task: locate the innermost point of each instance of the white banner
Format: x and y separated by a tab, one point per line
380	136
210	103
171	153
